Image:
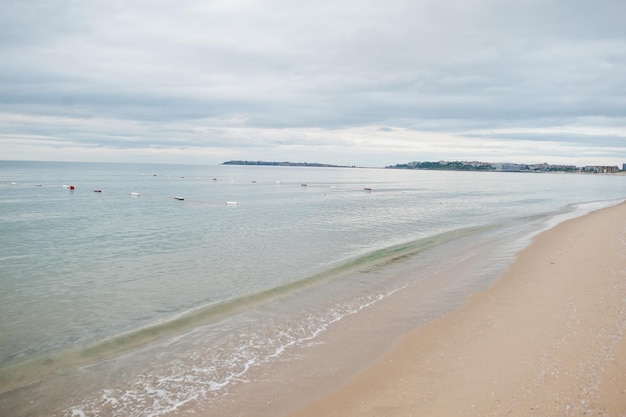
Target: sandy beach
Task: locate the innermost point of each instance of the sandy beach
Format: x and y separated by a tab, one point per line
545	340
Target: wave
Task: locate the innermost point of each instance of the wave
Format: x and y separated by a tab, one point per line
27	371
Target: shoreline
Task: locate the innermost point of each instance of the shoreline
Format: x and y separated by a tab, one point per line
545	339
320	370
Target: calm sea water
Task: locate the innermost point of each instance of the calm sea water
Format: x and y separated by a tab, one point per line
245	267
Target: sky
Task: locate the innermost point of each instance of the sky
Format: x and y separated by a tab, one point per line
346	82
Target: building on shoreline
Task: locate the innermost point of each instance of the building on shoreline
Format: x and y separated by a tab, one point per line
601	169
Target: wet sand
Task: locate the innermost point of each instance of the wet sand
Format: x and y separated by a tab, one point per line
545	340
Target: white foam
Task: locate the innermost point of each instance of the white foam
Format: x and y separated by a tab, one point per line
579	210
211	375
77	412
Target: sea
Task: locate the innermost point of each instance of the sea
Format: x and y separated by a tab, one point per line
160	290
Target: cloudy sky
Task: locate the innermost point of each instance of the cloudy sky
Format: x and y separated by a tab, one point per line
369	83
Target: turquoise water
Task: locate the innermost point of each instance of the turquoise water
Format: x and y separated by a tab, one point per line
89	275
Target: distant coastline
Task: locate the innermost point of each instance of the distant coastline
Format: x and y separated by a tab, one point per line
485	166
506	167
453	166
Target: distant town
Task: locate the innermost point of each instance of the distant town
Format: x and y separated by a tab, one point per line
459	166
505	167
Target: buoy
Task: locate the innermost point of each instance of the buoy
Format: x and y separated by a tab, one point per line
71	187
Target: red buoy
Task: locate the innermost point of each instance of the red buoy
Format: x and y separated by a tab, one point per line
71	187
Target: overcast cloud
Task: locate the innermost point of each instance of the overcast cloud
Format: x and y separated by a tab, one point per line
340	81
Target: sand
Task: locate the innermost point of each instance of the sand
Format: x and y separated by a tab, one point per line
545	340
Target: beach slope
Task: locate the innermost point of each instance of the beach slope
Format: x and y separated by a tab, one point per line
545	340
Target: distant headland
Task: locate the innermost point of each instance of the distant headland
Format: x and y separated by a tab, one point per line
286	164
